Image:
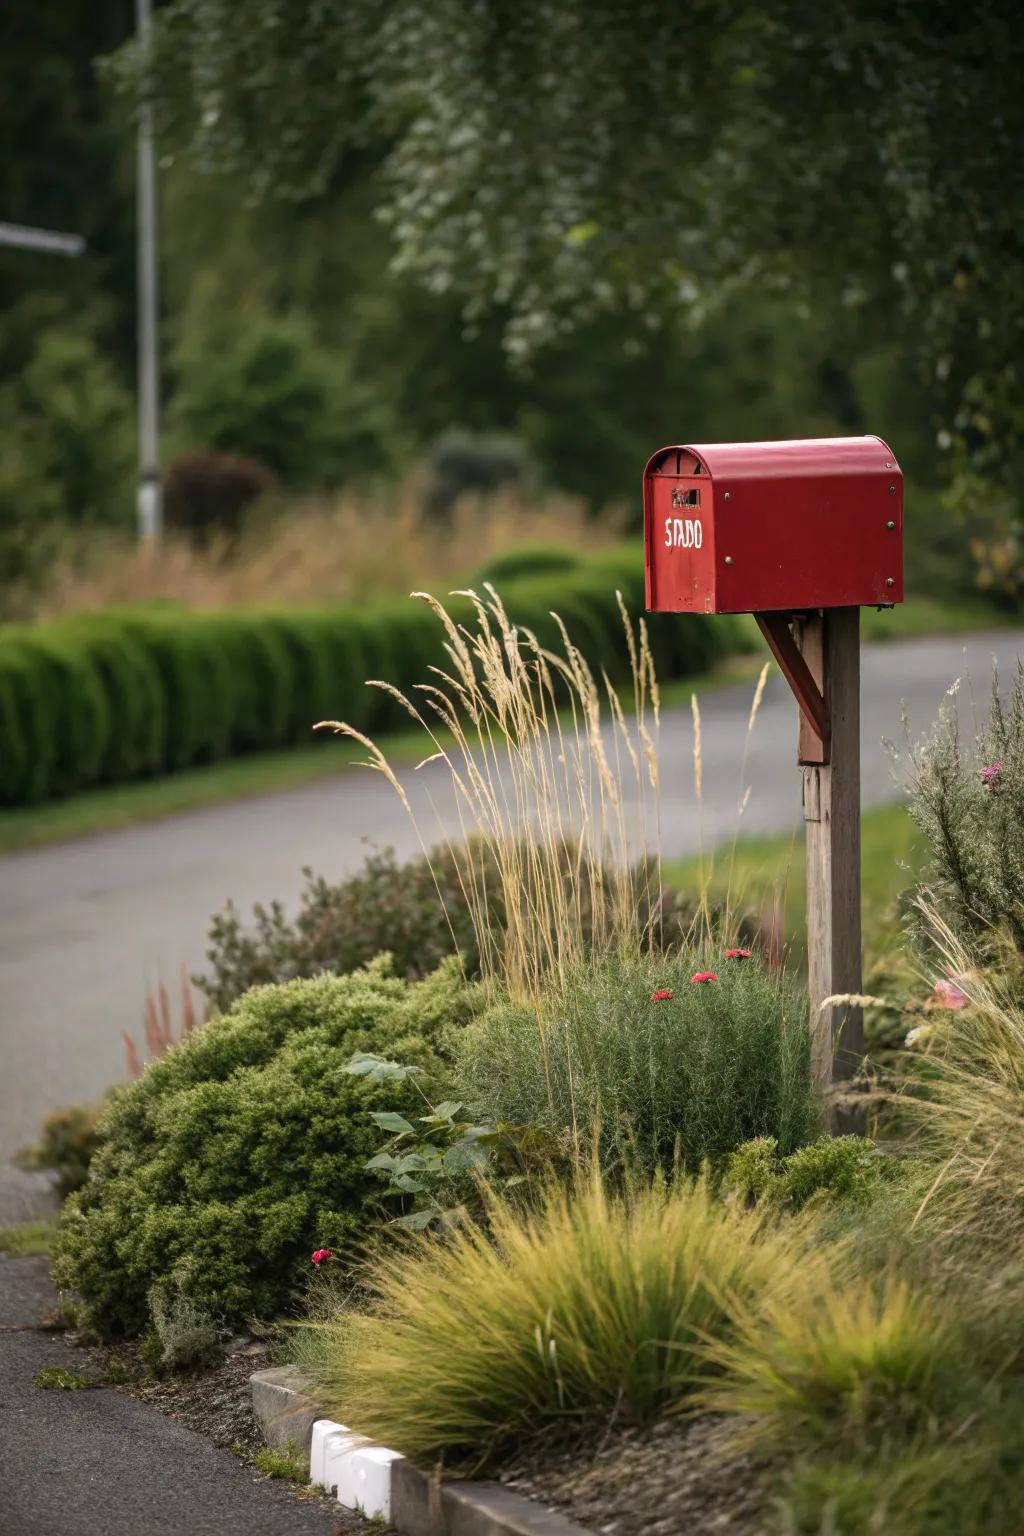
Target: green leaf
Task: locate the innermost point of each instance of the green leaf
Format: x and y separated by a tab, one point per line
384	1160
417	1221
464	1156
447	1110
378	1069
388	1120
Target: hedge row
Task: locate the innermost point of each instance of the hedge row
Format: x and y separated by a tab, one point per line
104	699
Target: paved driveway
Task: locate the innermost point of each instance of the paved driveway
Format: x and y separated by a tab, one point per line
86	926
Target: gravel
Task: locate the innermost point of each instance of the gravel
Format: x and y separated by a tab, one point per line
682	1476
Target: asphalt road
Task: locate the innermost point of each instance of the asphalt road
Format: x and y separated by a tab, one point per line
97	1463
85	927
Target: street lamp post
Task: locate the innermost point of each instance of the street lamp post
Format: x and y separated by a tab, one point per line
149	500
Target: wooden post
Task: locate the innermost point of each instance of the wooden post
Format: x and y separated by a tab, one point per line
830	643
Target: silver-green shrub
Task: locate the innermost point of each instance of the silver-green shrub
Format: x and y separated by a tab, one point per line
681	1079
967	797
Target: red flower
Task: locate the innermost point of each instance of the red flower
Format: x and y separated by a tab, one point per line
320	1255
703	976
664	996
738	954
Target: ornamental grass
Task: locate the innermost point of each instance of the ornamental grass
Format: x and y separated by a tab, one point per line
544	1323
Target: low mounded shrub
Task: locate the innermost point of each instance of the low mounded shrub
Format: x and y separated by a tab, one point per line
685	1079
384	906
527	560
833	1168
115	696
461	462
69	1140
182	1336
244	1148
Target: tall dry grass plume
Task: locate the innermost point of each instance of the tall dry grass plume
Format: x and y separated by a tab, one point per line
322	550
554	784
159	1025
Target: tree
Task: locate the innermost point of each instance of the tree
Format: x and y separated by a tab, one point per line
560	157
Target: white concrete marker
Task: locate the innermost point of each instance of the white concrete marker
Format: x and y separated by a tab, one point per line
346	1463
364	1480
328	1438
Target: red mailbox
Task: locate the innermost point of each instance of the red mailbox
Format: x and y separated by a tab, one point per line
773	527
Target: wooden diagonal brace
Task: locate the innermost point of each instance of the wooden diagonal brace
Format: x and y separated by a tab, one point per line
813	706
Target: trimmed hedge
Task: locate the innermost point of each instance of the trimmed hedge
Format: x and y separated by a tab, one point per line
107	698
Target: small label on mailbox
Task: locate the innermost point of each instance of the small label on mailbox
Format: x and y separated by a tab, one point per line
683	533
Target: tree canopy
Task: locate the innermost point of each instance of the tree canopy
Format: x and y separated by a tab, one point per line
557	157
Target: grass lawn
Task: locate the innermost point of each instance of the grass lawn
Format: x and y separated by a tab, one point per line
770	871
32	1237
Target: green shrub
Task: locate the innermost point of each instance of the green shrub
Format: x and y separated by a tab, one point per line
527	560
269	392
691	1077
69	1140
136	700
72	706
416	910
237	1153
384	906
462	462
546	1323
67	427
833	1168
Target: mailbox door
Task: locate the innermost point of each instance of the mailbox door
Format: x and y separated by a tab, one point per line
680	541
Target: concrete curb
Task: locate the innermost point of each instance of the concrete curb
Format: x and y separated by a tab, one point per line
282	1407
380	1482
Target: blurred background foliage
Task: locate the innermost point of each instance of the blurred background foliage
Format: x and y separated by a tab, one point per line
311	347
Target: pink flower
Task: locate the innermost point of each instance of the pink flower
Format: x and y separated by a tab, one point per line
320	1256
738	954
664	996
991	775
950	995
703	976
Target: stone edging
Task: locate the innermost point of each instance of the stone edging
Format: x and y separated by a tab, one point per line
383	1483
